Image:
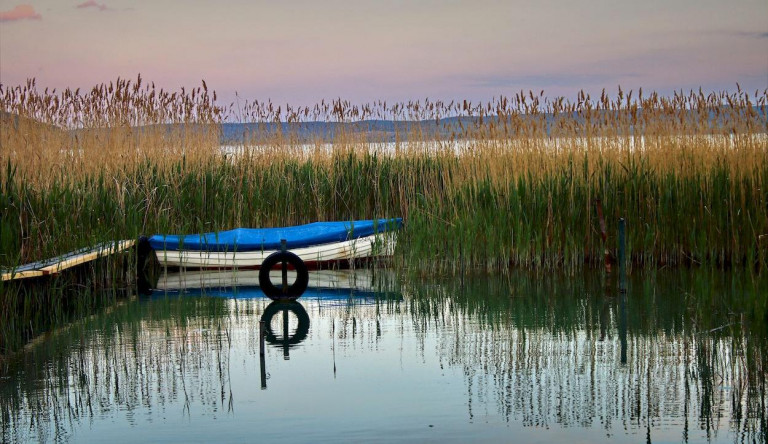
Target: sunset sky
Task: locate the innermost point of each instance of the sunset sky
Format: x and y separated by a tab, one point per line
302	51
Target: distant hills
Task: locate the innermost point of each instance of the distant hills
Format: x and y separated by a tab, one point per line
381	130
16	120
390	130
384	130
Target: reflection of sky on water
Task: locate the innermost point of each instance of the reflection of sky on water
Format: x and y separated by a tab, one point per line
502	359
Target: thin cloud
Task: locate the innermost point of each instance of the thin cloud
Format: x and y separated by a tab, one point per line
752	35
543	80
92	4
20	12
744	34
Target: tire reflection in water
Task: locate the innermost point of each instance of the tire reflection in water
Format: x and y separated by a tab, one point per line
282	310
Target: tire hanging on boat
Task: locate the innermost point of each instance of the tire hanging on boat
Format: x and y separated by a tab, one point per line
289	292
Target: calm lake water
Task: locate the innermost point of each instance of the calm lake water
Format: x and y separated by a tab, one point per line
369	358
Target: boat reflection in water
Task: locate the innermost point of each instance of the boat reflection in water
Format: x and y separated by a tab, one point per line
283	324
354	286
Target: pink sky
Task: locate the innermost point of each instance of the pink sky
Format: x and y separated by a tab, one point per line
303	51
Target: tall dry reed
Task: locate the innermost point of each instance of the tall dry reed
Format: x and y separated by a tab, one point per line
511	182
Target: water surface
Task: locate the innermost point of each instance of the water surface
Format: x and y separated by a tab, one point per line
365	356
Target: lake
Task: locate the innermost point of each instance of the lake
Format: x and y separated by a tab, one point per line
367	356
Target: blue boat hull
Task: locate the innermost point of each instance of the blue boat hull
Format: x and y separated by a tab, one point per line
260	239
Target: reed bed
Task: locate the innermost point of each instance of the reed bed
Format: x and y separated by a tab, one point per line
482	186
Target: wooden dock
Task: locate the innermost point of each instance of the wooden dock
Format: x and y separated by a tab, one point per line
65	261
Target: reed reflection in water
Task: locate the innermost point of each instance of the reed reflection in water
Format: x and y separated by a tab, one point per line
523	356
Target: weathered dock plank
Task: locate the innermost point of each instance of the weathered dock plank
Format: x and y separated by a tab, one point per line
65	261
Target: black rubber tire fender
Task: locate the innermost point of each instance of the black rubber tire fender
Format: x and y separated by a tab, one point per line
292	291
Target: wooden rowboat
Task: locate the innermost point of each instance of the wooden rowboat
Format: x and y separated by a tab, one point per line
316	244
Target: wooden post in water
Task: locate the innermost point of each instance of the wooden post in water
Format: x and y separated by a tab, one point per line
623	326
283	248
623	290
